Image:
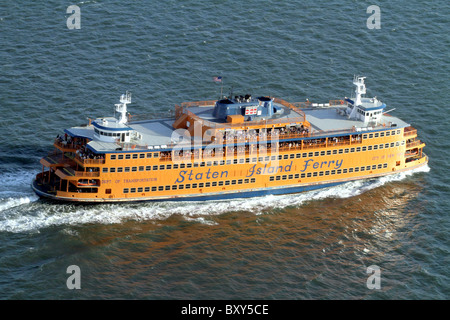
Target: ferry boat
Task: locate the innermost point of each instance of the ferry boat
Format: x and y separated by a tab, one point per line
237	146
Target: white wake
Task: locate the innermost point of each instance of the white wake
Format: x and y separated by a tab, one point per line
21	212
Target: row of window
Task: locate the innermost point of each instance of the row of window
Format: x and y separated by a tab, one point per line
367	113
109	134
327	172
156	154
135	156
253	180
190	186
252	160
381	134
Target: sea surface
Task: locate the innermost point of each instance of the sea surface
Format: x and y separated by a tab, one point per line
314	245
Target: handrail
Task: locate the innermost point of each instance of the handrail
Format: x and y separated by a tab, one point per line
198	103
290	106
236	140
305	104
337	103
87	174
413	144
89	161
409	133
72	143
193	156
84	174
57	159
64	145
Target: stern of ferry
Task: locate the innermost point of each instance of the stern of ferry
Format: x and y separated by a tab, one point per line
64	175
414	156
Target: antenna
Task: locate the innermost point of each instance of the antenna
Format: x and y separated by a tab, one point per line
360	88
122	107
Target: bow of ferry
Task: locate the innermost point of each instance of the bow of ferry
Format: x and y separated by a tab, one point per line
237	146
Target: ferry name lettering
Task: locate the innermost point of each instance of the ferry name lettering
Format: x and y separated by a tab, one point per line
189	175
269	170
322	164
334	164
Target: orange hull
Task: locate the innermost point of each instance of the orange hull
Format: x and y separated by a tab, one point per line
155	176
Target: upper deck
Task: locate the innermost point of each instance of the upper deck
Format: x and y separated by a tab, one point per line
330	120
202	122
159	134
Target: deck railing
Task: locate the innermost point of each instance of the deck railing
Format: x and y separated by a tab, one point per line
198	103
84	160
266	139
87	174
409	132
413	144
65	146
274	149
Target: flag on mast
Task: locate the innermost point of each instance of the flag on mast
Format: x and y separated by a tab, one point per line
219	79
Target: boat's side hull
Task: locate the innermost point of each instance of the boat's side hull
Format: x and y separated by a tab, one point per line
220	195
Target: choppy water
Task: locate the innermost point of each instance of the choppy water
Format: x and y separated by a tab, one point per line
315	245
